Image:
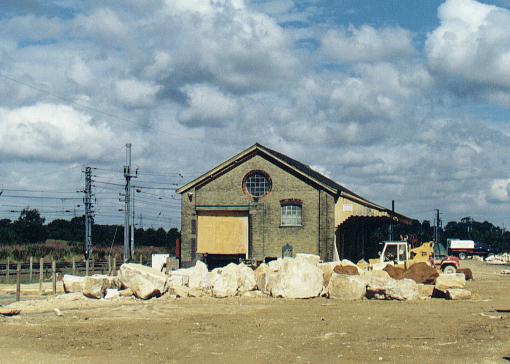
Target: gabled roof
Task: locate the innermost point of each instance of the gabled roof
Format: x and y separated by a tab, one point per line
304	170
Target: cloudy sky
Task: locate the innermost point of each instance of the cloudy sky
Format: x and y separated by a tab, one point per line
404	100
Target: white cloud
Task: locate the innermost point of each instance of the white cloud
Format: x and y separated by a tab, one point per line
52	132
161	66
102	25
201	80
81	73
470	50
201	7
500	190
207	107
135	93
367	44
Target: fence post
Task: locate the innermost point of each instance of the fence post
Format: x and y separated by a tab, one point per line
114	268
54	273
167	270
31	271
93	266
8	271
74	266
141	258
41	274
109	265
87	268
18	281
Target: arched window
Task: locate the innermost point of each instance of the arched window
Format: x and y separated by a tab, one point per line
292	213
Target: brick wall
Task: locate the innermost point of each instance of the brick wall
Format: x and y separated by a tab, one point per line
267	237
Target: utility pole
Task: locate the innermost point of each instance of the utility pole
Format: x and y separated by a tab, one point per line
89	213
128	205
133	221
437	228
127	190
391	223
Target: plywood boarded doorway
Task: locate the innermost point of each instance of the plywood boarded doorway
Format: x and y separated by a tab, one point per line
222	232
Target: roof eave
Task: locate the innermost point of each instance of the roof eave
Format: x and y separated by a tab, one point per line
254	147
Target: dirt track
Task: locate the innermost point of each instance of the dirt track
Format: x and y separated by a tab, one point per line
266	330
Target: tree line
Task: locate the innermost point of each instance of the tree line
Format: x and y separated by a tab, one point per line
466	229
30	228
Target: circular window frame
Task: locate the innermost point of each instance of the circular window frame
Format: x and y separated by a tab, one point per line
248	175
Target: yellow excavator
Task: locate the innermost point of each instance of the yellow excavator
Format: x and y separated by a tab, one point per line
399	254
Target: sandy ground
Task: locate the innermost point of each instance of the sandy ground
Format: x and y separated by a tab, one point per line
265	330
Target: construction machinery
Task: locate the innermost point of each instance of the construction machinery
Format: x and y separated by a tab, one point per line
399	253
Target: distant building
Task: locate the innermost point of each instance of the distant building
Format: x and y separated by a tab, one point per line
263	204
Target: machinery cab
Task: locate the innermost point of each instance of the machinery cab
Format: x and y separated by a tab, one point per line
396	252
399	254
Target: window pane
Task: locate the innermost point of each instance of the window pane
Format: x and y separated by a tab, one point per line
257	184
291	215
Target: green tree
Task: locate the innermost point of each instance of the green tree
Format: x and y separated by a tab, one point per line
30	227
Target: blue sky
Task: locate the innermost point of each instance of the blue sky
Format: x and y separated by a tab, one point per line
403	100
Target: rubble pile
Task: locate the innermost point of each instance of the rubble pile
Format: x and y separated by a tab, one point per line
421	273
301	277
498	258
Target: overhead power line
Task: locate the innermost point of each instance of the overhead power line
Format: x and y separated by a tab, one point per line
43	197
48	92
37	191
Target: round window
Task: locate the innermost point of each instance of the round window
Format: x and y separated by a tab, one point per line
257	183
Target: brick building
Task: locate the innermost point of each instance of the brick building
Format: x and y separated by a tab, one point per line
262	204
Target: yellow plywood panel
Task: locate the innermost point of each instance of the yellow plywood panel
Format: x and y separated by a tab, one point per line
222	234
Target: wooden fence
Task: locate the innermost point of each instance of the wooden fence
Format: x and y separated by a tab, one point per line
41	270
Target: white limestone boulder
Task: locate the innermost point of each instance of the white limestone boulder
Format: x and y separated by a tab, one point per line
128	292
276	265
425	291
347	262
345	287
189	277
72	283
310	258
444	282
197	292
297	278
262	277
381	286
374	274
197	274
114	282
225	283
327	270
254	294
377	282
245	279
402	290
179	277
111	293
380	265
145	282
95	286
458	294
179	291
